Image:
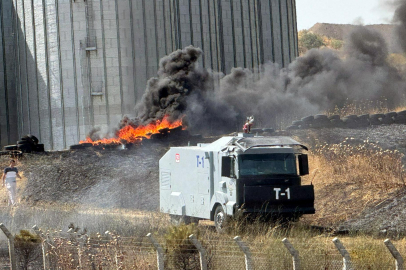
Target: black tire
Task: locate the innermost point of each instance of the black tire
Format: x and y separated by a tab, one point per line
308	119
400	119
377	116
256	130
219	219
334	117
34	139
336	123
304	126
28	140
22	142
363	117
388	121
403	113
292	127
40	148
269	130
10	147
317	125
25	148
15	153
363	122
349	122
320	117
375	121
391	114
352	117
80	146
321	121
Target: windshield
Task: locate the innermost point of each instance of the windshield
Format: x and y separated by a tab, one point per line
267	164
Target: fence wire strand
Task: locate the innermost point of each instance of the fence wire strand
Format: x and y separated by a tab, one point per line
66	251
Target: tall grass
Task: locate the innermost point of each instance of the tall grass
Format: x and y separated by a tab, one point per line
350	176
362	107
316	250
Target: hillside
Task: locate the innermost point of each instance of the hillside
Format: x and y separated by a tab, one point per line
128	179
341	31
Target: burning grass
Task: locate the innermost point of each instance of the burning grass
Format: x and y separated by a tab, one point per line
131	133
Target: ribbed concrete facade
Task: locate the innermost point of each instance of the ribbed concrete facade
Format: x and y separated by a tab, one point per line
70	65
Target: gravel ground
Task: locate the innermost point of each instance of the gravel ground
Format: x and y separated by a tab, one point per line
103	178
129	178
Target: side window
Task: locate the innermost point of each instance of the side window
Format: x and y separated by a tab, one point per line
232	169
228	167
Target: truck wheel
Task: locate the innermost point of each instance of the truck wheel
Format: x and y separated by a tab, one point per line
219	219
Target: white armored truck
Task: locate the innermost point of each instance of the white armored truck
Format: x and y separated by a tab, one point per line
246	174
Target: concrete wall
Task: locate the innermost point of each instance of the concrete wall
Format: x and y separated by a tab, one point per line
9	120
70	65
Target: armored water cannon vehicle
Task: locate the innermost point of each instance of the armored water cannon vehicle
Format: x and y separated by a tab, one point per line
241	174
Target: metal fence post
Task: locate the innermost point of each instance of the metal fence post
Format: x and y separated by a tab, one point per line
395	253
117	254
159	252
293	252
81	242
11	249
347	264
44	245
202	251
249	265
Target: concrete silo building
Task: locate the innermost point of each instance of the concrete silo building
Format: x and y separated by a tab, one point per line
70	65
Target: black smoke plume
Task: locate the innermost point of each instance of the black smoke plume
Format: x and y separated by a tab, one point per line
317	82
400	18
182	88
178	80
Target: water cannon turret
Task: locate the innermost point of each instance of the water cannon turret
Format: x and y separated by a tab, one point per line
248	124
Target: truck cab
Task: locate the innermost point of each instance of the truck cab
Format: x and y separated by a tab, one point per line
241	174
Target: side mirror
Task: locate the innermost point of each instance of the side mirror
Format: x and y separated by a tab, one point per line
303	164
226	166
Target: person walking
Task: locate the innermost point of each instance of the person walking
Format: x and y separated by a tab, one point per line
9	180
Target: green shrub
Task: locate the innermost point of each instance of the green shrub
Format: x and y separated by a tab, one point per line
309	40
337	44
181	253
27	248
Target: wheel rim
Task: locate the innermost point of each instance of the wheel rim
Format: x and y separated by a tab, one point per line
219	220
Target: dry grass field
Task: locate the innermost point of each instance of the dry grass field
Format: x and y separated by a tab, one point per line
353	171
350	177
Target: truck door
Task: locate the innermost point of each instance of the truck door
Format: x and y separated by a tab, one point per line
202	199
203	202
228	182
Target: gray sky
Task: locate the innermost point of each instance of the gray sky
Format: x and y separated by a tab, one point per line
310	12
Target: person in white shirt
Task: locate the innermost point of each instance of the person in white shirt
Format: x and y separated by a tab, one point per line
9	180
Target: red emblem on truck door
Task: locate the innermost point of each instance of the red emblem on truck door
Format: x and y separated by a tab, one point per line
177	158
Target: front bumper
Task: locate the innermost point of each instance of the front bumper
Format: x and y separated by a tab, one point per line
279	199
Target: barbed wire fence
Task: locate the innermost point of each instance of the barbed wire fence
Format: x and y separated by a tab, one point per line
73	250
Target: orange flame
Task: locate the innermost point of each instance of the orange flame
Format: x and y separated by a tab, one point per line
130	134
